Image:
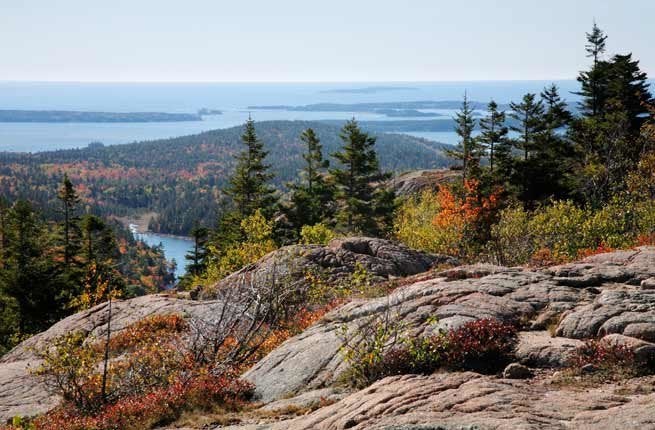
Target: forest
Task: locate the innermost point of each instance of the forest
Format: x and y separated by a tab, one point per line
50	268
181	178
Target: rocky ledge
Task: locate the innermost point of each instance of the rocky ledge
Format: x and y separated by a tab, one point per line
605	296
334	263
608	296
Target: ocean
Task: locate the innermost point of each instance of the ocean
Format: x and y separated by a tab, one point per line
232	99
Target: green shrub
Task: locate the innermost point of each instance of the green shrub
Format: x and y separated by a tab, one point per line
317	234
513	241
378	350
563	232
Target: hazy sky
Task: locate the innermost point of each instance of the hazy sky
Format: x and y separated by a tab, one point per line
305	40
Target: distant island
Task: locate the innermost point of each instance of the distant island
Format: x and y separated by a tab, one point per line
368	90
390	109
77	116
207	111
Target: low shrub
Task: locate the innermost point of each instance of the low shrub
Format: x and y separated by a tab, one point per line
598	360
318	234
562	231
485	345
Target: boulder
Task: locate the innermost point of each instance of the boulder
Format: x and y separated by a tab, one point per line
414	182
334	263
644	351
517	371
625	310
540	349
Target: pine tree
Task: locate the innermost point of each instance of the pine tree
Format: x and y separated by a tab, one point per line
312	199
29	275
69	199
556	114
249	186
595	43
593	82
628	87
467	150
198	254
529	123
493	133
101	255
363	203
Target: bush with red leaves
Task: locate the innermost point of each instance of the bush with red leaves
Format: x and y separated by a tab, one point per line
484	345
608	361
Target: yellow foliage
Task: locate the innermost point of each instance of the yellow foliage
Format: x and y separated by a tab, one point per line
258	233
318	234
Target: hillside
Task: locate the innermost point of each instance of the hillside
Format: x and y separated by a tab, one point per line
180	178
299	384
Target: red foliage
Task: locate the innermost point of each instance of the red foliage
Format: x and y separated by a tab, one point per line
156	407
600	249
645	239
603	355
483	345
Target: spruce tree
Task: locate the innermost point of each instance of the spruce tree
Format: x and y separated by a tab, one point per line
69	200
29	274
628	87
493	133
312	199
595	43
363	203
198	254
557	114
529	122
467	149
249	186
593	82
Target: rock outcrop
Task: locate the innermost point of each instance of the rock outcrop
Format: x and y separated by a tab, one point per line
612	303
601	297
334	263
469	401
416	181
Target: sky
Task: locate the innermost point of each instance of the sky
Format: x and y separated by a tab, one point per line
317	41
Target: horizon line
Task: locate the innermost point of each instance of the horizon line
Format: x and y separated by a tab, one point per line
20	81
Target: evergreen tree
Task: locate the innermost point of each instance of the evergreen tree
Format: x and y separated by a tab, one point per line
198	254
101	254
4	209
557	114
547	173
493	133
628	87
69	200
29	275
593	81
467	150
595	43
249	186
312	199
529	122
363	203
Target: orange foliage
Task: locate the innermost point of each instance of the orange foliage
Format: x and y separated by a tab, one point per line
467	217
472	209
600	249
